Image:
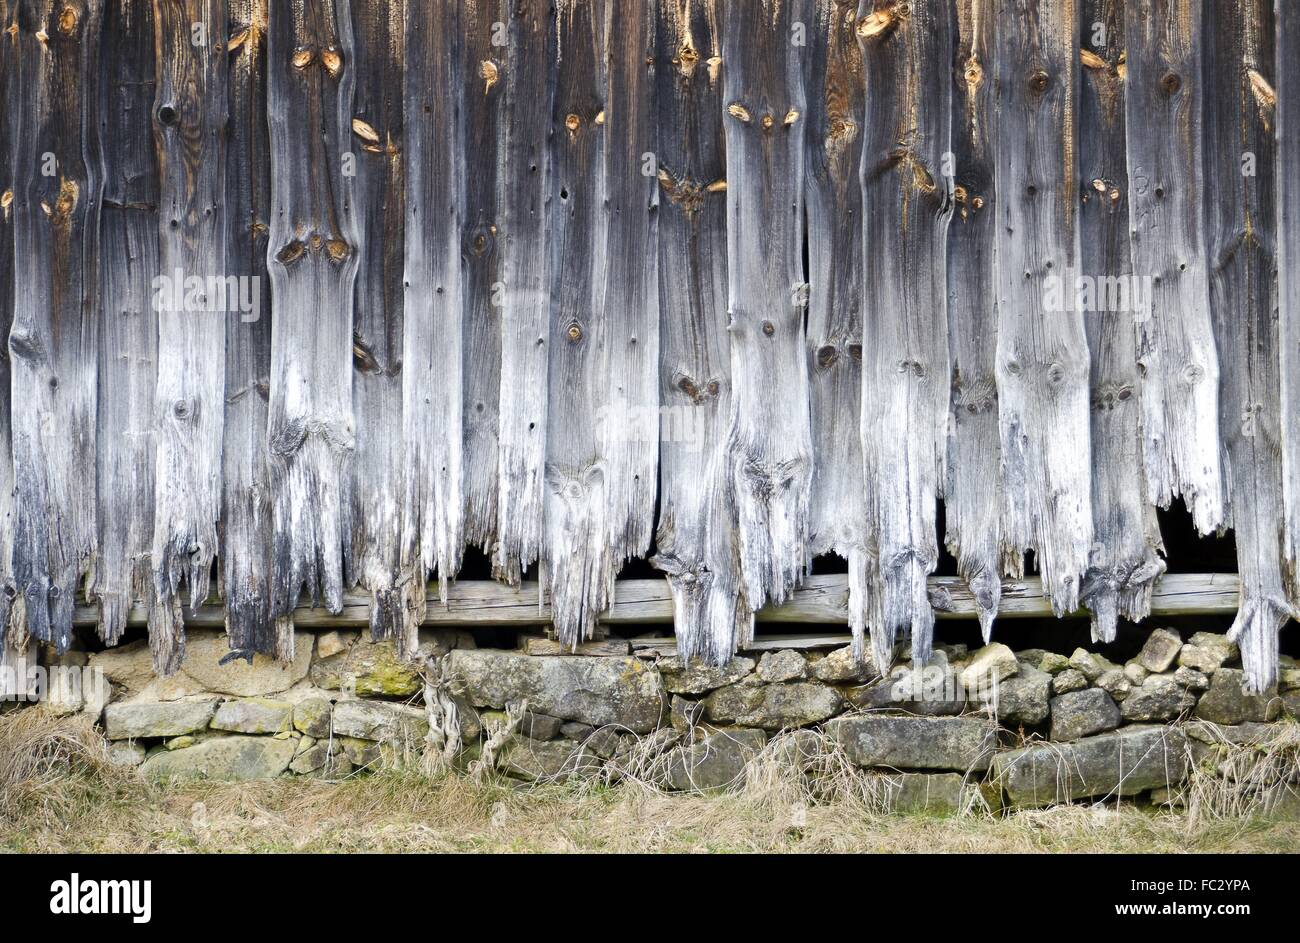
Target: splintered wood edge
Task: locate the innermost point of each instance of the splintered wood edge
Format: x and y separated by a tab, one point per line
822	600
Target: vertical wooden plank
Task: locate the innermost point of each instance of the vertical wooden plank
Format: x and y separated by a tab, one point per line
629	418
769	438
128	327
837	507
1176	349
529	86
578	561
9	613
695	538
1288	272
376	491
485	35
246	482
189	130
1123	562
433	529
57	172
1241	229
313	257
1042	351
974	494
907	204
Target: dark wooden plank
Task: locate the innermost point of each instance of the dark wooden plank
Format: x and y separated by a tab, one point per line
128	325
434	328
821	600
769	437
974	497
483	77
246	535
695	539
529	87
629	416
1164	99
1042	351
1123	561
833	192
313	258
1240	236
13	627
57	174
377	161
578	562
1288	273
907	205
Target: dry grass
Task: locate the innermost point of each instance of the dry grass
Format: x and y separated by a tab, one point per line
57	793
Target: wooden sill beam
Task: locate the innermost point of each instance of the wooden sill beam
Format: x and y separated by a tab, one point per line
822	600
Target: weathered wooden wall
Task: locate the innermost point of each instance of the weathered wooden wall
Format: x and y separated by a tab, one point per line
762	279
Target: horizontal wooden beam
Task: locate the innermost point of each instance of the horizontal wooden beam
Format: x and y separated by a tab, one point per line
822	600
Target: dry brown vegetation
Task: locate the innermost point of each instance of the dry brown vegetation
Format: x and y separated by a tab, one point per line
59	793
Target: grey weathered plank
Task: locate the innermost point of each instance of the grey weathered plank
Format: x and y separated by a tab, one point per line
482	71
376	491
833	193
189	130
1123	561
973	494
433	520
769	437
313	257
57	185
128	325
1164	100
1240	239
821	600
695	538
529	84
578	561
907	205
1042	352
1288	273
10	614
246	537
629	420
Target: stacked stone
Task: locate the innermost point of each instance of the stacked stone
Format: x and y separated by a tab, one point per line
1028	728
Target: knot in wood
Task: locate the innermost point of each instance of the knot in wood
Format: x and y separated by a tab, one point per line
1038	81
769	328
337	250
67	22
1171	83
826	356
573	332
572	122
302	57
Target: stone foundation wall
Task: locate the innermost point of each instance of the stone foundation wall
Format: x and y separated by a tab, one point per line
1020	729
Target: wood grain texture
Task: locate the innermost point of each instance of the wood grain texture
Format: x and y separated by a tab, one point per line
1288	274
190	100
907	204
974	494
578	560
484	78
246	532
1240	238
695	539
1123	560
376	492
833	193
57	183
529	87
432	370
12	622
1164	100
628	422
769	436
313	255
1042	352
128	325
821	600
